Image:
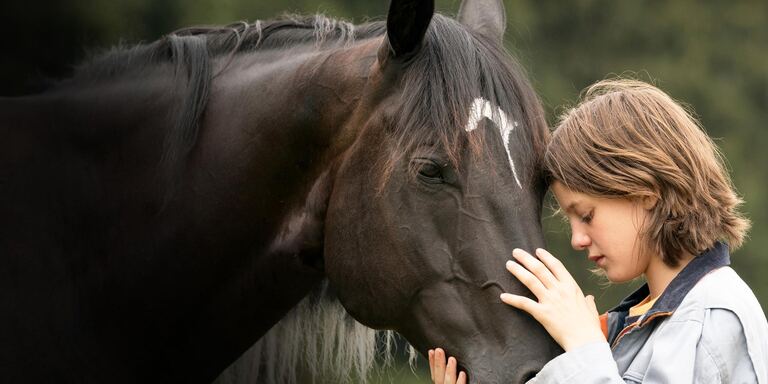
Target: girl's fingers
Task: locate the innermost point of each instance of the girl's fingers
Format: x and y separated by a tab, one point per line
431	354
555	266
450	371
527	278
450	376
536	267
522	303
591	303
439	374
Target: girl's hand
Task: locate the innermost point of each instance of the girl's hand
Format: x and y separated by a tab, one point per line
569	317
442	374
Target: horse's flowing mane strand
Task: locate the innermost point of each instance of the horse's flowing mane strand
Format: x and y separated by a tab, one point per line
318	341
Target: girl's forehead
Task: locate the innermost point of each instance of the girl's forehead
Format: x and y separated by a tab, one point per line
562	191
571	201
567	198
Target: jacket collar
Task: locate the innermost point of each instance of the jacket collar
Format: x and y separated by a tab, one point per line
711	259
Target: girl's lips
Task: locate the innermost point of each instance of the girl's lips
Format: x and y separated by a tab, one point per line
598	259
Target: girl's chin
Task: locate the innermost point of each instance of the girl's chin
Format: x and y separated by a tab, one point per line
617	278
612	276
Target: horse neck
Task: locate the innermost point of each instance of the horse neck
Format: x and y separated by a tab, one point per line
68	144
270	129
287	114
85	117
305	90
282	119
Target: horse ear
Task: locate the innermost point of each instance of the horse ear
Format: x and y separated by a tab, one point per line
407	22
486	17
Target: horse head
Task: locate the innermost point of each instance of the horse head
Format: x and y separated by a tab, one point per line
441	184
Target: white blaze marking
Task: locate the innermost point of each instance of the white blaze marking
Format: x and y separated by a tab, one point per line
482	108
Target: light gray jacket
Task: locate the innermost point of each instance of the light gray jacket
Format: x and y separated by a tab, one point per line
707	327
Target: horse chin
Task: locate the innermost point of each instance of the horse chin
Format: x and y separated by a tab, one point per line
506	371
512	361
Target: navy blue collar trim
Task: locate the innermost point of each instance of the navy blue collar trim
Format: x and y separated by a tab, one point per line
711	259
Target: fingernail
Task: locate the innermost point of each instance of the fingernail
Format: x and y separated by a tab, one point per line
510	263
504	296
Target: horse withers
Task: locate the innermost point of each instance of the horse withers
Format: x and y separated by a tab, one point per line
165	208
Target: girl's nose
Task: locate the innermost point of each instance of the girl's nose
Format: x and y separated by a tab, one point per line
580	240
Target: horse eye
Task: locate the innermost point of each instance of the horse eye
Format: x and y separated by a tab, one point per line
430	171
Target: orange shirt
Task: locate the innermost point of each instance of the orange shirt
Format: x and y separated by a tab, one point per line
642	307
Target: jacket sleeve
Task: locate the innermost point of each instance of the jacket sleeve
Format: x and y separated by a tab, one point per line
589	364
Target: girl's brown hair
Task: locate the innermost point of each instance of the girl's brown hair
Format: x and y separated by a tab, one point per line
628	139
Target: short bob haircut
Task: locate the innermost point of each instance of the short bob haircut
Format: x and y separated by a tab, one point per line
628	139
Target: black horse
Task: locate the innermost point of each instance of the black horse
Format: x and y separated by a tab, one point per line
165	207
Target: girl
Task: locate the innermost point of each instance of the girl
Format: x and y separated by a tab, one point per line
646	194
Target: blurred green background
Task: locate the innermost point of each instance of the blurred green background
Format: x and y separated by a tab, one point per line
710	54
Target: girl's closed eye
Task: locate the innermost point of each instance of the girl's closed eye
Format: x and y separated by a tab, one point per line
586	219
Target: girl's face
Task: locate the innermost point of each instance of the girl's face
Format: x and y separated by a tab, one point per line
608	229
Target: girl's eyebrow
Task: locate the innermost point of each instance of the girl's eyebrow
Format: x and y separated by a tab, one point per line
571	208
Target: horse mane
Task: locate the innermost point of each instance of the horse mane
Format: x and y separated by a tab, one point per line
316	340
191	53
210	42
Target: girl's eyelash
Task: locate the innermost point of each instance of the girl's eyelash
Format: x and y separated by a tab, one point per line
586	219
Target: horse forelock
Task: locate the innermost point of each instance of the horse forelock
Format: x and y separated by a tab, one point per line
451	71
317	341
